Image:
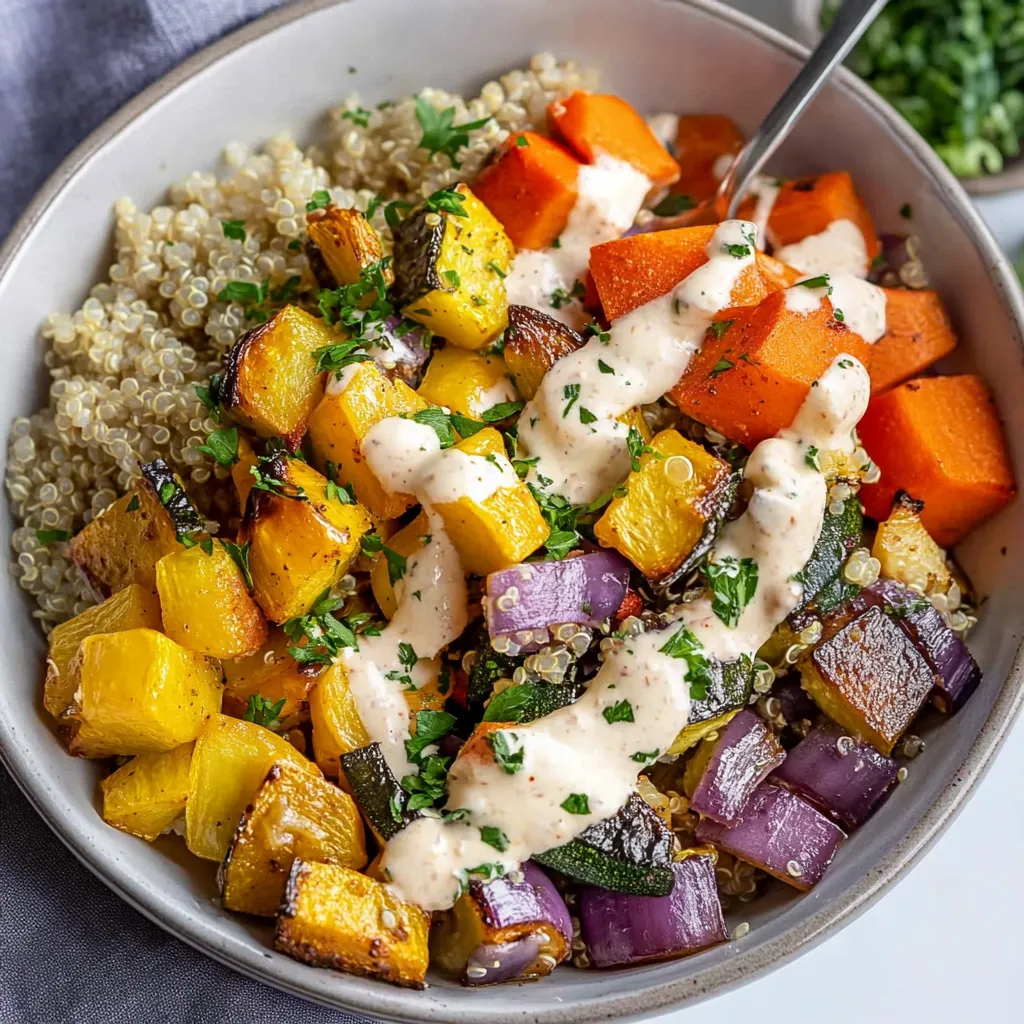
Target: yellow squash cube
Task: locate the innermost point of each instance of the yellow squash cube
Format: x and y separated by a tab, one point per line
133	607
271	384
302	540
138	692
341	421
147	795
294	814
343	245
669	500
466	382
332	916
230	762
241	471
907	551
337	727
499	531
271	673
450	272
206	603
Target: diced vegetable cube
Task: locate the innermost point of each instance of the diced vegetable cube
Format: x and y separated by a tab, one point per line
343	419
917	334
406	543
147	795
230	762
906	550
938	439
303	540
670	501
781	834
847	779
620	929
206	603
701	142
332	916
499	531
271	383
729	690
869	678
271	673
445	276
337	727
341	245
134	607
138	692
724	772
376	791
294	815
241	471
534	342
466	382
530	186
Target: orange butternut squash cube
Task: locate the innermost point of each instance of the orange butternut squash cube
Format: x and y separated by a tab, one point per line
342	420
206	603
294	814
134	607
271	673
501	530
701	141
303	541
146	796
669	502
466	382
138	692
917	334
230	761
332	916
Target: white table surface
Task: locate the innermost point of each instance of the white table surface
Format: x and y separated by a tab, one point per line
946	944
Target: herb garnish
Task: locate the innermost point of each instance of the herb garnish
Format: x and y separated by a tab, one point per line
262	711
683	644
221	446
508	751
52	536
621	711
440	133
233	229
240	556
733	584
493	836
576	803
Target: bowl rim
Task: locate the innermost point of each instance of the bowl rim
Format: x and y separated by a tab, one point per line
372	998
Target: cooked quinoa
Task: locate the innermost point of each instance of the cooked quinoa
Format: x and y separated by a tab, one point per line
123	367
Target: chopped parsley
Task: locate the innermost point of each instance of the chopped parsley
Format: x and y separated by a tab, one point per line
53	536
324	633
586	416
811	458
222	446
560	297
522	140
440	133
720	367
719	327
604	367
240	556
684	645
453	278
438	421
733	584
594	330
501	411
357	115
576	803
209	395
622	711
233	229
571	393
839	315
508	751
318	200
430	727
736	250
845	364
497	270
493	836
133	505
821	281
262	711
645	756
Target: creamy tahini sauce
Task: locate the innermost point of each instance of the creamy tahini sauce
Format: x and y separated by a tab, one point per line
610	193
575	750
839	247
581	443
858	304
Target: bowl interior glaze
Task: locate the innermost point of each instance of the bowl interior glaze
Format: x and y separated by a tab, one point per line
282	73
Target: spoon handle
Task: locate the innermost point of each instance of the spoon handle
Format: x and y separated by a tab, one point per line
851	21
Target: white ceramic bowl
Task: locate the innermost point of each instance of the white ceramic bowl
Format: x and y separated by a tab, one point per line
283	72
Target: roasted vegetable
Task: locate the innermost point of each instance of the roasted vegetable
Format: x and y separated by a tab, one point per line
729	690
294	815
146	796
230	762
620	929
241	471
303	539
340	245
337	727
781	834
467	382
671	497
206	604
917	334
701	142
138	692
534	342
868	677
723	773
906	551
938	439
376	791
271	673
124	542
344	418
450	269
504	930
271	383
524	702
134	607
332	916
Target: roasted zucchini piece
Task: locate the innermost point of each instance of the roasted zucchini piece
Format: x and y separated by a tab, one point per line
271	384
670	500
230	762
124	542
134	607
343	419
869	678
302	540
906	549
294	814
466	382
138	692
146	796
450	269
271	673
732	683
376	791
206	603
341	245
501	530
534	342
332	916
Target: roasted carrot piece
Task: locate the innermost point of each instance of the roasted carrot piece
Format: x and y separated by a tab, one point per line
918	333
629	272
806	206
701	140
592	123
938	439
776	274
750	377
531	188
